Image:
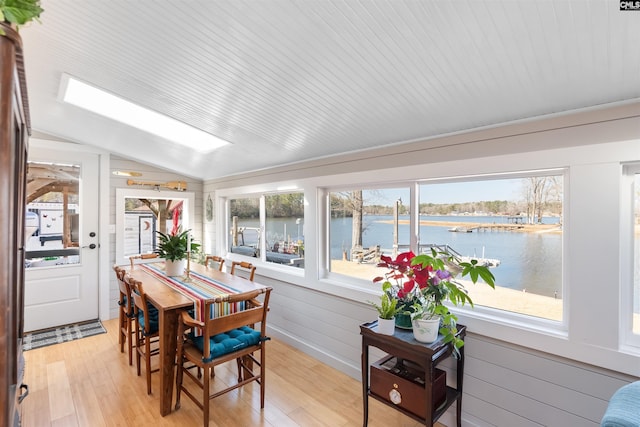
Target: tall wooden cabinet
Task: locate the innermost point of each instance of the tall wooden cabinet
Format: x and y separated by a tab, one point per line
14	134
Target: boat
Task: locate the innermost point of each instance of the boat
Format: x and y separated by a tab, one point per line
461	230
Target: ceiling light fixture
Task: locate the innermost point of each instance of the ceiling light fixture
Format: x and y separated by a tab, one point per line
83	95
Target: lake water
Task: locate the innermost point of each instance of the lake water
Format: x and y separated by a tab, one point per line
528	261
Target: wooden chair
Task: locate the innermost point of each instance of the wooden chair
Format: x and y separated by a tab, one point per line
146	328
250	268
132	258
214	258
125	316
223	339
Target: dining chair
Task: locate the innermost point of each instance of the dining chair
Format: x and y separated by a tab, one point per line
132	258
243	265
146	329
214	258
125	316
224	338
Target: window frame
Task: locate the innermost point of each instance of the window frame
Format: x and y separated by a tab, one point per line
547	326
261	260
628	338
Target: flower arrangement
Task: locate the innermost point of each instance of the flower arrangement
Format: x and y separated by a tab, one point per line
423	283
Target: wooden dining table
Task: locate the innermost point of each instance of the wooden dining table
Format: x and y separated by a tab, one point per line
165	294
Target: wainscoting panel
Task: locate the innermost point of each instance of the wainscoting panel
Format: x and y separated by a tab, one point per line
504	384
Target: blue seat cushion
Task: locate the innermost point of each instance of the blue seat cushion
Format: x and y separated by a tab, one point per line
228	342
624	407
153	319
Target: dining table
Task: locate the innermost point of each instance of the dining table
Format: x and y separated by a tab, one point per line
172	295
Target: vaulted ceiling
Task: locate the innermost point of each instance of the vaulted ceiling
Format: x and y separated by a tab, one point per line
290	80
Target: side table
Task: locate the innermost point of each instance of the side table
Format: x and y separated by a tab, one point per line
403	346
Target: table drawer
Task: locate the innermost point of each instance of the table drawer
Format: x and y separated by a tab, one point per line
404	385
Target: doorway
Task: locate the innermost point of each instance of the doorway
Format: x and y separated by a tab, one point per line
61	268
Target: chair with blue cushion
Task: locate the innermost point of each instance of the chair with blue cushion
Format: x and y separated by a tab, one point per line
624	407
146	328
125	316
224	338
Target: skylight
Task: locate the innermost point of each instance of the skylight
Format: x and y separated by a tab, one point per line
96	100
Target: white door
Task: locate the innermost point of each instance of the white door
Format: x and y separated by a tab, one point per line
61	285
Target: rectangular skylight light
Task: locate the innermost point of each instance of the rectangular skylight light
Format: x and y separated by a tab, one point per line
90	98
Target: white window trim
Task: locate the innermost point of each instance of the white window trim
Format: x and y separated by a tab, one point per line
628	340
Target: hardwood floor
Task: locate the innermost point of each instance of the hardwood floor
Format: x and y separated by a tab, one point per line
88	383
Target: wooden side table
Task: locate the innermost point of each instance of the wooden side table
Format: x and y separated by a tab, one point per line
403	346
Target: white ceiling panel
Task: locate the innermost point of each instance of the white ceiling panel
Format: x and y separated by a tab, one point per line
286	81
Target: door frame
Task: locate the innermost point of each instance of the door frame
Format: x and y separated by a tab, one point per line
104	221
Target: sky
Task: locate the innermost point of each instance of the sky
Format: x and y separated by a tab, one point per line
461	192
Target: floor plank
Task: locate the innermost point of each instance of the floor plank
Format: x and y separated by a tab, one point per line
88	382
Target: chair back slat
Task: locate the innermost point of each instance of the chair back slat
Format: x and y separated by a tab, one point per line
214	258
132	258
250	268
140	301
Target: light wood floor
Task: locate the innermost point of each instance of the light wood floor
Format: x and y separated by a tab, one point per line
89	383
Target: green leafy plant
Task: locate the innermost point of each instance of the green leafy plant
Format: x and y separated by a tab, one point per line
173	246
19	12
388	307
423	283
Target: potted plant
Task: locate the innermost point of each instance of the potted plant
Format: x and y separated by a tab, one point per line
19	12
387	310
423	283
173	247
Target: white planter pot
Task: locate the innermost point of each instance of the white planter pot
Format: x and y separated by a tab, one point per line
426	330
175	268
386	326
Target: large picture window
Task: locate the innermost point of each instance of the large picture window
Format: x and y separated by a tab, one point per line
514	226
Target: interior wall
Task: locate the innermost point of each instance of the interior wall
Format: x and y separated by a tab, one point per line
149	174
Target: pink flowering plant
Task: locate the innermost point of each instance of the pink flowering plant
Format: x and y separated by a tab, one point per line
423	283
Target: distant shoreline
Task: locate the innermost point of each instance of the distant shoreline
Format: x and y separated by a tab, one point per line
524	228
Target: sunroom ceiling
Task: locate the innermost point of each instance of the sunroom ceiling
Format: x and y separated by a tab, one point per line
287	81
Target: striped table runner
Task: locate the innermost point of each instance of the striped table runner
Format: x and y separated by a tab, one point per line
199	289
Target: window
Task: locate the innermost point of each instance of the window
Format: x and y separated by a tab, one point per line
140	213
364	224
284	229
244	223
282	233
52	215
636	252
514	226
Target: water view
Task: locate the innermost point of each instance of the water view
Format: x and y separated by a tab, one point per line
529	262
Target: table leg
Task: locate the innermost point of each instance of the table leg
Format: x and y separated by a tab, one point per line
168	325
365	383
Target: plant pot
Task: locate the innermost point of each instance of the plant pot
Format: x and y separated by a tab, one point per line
175	268
426	330
403	321
386	326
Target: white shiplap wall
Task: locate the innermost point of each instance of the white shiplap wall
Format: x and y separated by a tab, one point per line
524	378
149	174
